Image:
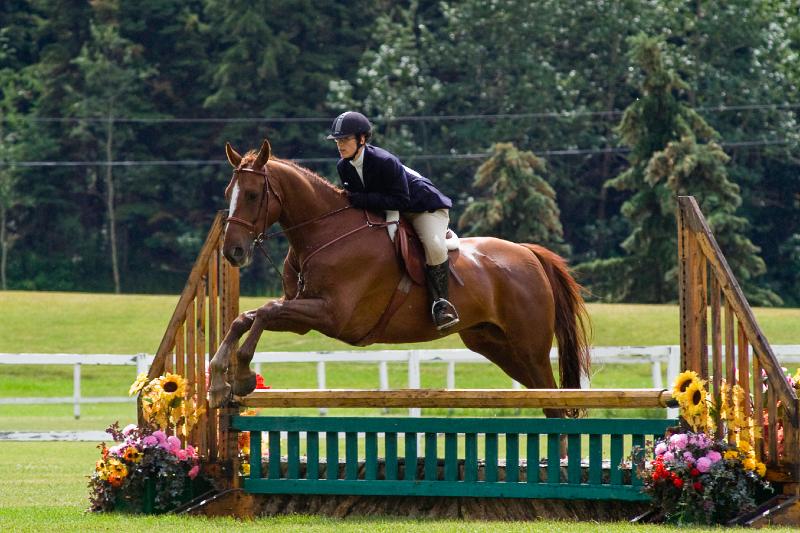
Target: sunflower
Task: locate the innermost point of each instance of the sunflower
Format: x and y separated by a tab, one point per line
694	400
731	455
172	386
761	469
141	381
132	455
682	382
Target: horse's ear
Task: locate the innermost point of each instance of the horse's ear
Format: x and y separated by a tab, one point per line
263	155
233	157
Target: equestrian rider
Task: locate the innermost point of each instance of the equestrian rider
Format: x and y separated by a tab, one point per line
376	180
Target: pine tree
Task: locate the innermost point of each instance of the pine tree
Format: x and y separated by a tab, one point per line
516	202
673	152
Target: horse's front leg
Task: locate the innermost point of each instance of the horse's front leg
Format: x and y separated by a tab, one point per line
219	390
298	316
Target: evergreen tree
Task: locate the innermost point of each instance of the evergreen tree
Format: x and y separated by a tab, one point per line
516	203
672	153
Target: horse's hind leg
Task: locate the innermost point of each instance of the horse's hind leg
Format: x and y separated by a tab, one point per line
219	390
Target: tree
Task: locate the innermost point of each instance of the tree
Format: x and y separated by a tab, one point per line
517	204
673	152
114	84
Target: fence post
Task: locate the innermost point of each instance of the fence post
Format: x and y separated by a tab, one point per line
76	390
383	379
413	379
141	364
673	369
321	383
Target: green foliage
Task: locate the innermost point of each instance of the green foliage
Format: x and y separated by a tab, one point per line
516	203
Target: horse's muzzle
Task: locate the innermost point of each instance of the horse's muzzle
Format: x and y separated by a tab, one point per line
238	256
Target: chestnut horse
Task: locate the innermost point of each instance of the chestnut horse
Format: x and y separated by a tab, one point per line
514	297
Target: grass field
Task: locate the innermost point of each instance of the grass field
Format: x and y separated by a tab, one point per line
44	484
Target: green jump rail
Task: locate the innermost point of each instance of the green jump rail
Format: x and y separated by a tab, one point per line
283	472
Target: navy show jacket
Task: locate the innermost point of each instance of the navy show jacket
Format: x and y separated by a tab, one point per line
389	185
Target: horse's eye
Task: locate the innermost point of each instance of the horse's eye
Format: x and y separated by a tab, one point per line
251	196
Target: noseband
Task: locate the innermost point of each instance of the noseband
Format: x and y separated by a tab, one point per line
251	226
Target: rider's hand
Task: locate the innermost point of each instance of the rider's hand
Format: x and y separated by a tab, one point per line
356	199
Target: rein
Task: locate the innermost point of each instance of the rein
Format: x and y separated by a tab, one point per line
262	237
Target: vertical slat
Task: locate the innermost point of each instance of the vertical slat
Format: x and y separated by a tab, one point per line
730	362
293	455
332	454
532	457
491	457
180	362
312	455
192	361
391	455
595	459
702	316
744	379
451	456
351	455
470	457
411	456
274	454
692	302
199	435
616	459
512	457
553	458
758	409
574	458
371	456
716	352
213	303
255	455
430	457
772	413
180	336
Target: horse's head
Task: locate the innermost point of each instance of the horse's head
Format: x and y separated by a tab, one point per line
251	212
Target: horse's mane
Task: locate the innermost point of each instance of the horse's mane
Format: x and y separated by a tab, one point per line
250	156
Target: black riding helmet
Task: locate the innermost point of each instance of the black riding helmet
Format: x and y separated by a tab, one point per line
350	123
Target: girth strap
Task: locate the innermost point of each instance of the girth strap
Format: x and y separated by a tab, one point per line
399	296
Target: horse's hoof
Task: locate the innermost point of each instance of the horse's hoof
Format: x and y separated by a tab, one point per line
217	397
243	387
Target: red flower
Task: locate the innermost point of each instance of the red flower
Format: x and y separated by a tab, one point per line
698	486
260	382
695	472
678	482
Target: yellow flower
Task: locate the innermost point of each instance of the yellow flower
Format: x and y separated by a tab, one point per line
694	399
749	463
141	381
731	455
132	455
683	380
761	469
246	469
172	386
745	447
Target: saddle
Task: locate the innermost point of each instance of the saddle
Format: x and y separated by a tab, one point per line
411	254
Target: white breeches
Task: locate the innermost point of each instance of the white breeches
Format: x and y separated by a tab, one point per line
431	229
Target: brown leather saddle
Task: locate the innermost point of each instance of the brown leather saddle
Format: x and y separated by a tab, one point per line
411	254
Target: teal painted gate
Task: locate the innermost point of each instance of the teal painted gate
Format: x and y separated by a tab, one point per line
460	470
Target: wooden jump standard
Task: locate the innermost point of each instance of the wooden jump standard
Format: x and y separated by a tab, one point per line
446	398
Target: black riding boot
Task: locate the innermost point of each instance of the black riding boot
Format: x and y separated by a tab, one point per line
443	313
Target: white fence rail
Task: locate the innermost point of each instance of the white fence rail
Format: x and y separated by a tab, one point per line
655	356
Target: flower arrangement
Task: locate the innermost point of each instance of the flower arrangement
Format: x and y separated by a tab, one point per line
143	461
695	478
149	469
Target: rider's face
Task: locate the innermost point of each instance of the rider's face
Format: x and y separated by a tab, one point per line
347	146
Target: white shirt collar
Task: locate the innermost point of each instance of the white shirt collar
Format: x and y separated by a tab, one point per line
358	163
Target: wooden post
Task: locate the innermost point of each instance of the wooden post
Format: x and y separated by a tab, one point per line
716	353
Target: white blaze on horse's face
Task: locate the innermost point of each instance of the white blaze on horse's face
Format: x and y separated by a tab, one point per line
234	198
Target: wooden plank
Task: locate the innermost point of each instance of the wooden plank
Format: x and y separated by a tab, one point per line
255	454
637	441
390	443
532	457
293	455
730	362
488	398
371	456
351	455
553	459
274	454
512	457
450	456
410	456
332	454
743	366
491	457
431	459
772	414
574	459
595	459
716	352
758	410
198	270
702	316
615	473
470	457
312	454
213	303
197	361
180	337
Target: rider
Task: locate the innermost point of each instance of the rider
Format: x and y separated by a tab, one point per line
375	179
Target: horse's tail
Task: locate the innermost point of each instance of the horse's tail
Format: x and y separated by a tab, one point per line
572	319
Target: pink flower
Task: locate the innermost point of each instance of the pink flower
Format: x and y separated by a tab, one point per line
181	455
117	450
688	457
173	444
668	457
704	464
190	451
714	456
194	471
661	448
128	429
149	441
679	440
160	435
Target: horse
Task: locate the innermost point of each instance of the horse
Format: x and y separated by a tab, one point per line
341	275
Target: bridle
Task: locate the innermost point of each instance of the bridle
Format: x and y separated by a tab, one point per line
251	226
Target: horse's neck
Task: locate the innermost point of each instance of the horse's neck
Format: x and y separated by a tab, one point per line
304	199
